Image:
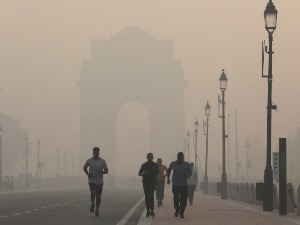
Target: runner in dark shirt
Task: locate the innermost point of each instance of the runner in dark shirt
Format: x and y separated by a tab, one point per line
149	171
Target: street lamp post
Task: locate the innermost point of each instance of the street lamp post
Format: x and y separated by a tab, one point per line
26	162
207	113
228	147
65	163
270	16
57	162
38	163
0	158
236	147
196	127
188	136
248	163
223	86
73	164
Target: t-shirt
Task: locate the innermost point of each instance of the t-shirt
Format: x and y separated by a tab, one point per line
162	172
180	172
95	167
193	180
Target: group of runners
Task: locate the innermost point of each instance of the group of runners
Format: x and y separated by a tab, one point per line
184	181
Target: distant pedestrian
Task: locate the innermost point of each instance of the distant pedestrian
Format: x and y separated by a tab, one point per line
192	183
94	168
149	171
181	172
160	184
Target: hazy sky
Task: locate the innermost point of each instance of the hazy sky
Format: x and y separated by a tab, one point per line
43	43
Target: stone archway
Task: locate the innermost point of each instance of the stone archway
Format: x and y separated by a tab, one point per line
132	65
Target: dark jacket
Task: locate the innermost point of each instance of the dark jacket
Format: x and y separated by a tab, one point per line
152	168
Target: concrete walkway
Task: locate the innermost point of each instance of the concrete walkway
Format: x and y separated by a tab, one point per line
211	210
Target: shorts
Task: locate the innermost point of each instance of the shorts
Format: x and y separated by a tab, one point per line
97	187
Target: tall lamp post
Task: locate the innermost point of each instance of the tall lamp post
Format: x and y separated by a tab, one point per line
196	127
188	136
270	16
206	125
57	162
26	163
0	158
228	147
65	163
38	163
236	147
223	86
248	162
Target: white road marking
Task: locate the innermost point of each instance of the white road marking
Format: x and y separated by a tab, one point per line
144	220
43	207
124	220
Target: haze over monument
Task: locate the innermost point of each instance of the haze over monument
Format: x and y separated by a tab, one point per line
44	43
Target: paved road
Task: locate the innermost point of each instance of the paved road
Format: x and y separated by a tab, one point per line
70	206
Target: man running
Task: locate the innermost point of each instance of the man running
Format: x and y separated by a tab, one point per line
181	172
97	167
149	171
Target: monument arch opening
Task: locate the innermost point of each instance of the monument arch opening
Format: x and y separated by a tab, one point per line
133	138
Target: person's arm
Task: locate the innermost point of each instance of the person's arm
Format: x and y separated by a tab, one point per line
87	172
105	169
141	172
156	171
165	172
85	168
189	172
169	173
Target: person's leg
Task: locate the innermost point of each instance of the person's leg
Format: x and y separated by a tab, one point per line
193	188
99	189
162	191
157	192
183	199
175	190
151	200
93	196
190	194
146	192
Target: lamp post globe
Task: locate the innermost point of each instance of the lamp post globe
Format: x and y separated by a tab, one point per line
223	81
207	109
270	17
